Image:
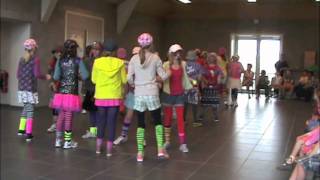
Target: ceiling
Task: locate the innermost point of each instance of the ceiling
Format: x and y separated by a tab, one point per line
228	9
300	9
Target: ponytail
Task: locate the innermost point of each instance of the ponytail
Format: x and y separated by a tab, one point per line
142	55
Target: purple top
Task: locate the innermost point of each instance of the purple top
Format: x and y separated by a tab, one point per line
194	70
27	74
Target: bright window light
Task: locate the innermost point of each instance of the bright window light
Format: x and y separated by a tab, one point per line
185	1
251	1
317	0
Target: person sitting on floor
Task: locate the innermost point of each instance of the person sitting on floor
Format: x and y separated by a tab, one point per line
263	83
304	88
306	142
310	162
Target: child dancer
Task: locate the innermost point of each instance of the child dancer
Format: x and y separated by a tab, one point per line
27	74
88	103
173	94
194	72
109	76
142	73
129	103
211	83
248	78
223	64
54	85
67	99
235	69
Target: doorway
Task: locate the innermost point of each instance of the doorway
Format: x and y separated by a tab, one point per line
262	51
13	34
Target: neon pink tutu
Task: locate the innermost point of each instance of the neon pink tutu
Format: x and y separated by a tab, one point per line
108	102
67	102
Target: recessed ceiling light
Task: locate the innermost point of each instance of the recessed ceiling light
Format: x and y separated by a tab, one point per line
252	1
185	1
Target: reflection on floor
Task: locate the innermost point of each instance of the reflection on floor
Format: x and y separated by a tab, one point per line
247	144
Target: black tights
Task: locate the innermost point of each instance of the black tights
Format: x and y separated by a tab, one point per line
234	94
156	116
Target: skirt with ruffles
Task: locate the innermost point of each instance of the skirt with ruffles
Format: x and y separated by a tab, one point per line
67	102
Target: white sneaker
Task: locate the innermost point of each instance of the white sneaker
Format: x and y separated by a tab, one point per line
58	143
139	157
226	103
83	111
120	139
108	154
52	128
184	148
235	104
88	135
70	144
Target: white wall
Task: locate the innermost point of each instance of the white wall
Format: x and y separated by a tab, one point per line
13	35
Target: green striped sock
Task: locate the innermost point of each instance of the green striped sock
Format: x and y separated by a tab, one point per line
22	125
67	135
159	135
140	140
93	130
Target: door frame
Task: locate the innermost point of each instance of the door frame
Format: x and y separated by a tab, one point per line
259	37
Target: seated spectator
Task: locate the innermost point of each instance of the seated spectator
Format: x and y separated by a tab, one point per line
276	84
248	78
310	162
288	84
303	146
304	88
306	143
263	83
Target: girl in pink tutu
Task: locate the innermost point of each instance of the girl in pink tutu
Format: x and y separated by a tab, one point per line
67	99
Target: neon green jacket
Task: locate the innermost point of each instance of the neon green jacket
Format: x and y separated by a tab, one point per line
109	76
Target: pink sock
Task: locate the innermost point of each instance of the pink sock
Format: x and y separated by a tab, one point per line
29	126
182	138
109	146
99	143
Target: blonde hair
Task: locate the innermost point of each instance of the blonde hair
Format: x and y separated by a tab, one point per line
171	59
142	53
213	55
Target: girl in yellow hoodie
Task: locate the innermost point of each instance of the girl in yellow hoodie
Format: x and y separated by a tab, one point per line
109	77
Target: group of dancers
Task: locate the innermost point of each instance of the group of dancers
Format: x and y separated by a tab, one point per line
111	81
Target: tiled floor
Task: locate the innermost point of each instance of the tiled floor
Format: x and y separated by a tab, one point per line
247	144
